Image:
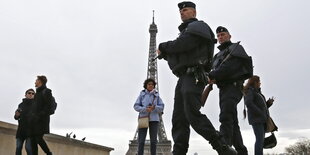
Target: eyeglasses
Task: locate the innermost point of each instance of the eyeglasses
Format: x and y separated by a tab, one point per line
32	93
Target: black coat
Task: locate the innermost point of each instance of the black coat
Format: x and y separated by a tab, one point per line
193	47
257	107
23	129
40	111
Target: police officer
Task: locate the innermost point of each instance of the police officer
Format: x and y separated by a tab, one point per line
187	56
229	72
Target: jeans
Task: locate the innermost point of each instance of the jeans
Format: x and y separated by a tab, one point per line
153	125
39	140
259	131
19	146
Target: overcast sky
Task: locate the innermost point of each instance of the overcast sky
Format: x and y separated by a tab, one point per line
94	54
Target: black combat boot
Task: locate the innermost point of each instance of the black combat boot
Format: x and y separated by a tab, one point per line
219	145
226	150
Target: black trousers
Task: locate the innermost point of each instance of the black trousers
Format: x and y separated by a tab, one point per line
35	140
153	126
230	96
187	103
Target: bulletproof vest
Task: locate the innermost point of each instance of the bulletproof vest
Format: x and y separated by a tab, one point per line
203	30
201	55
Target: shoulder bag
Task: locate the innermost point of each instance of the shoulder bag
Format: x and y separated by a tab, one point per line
143	122
270	141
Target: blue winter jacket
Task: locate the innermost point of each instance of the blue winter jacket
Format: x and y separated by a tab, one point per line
145	99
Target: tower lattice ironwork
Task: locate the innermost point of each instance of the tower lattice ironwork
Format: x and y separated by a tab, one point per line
163	145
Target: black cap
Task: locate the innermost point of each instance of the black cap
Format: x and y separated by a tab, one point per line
186	4
29	90
221	29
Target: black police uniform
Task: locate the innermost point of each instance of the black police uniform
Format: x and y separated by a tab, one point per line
192	49
229	79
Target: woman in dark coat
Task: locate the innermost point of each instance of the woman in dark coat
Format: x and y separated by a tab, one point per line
257	108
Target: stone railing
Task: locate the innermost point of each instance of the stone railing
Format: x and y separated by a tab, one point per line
59	145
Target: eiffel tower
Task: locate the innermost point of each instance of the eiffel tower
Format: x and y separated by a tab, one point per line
163	145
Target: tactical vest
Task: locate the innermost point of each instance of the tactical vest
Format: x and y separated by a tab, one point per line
201	55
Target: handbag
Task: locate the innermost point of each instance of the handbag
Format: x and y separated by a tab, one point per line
270	125
143	122
270	141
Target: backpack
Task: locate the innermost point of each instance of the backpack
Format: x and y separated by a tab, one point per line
247	67
53	105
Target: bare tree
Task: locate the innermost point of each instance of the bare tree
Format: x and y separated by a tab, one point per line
302	147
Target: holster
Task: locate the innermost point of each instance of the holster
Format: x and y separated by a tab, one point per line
199	73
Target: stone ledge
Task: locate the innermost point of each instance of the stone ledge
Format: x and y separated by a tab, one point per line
10	129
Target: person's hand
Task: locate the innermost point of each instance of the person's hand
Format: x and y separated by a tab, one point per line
158	52
17	113
211	81
270	101
150	108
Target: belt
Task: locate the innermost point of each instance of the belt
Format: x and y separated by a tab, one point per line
236	84
185	71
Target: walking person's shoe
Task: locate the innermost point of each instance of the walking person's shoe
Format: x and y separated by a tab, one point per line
226	150
219	145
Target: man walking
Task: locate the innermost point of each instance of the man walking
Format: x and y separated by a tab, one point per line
229	72
41	115
189	56
22	114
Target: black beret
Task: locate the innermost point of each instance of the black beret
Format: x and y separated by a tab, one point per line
186	4
221	29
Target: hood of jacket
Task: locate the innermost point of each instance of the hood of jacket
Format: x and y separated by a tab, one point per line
153	92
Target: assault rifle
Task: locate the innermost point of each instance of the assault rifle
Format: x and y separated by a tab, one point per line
205	94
